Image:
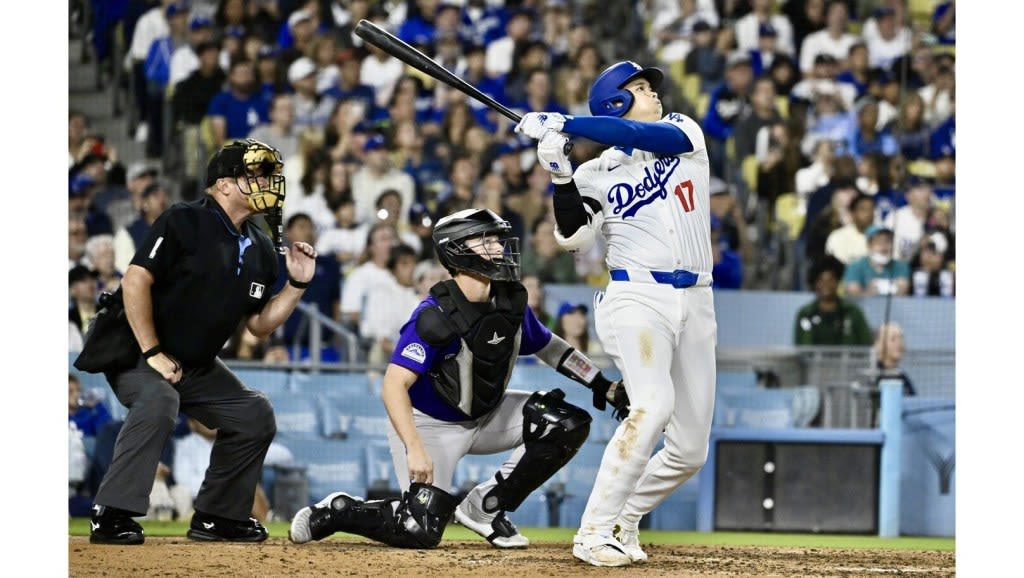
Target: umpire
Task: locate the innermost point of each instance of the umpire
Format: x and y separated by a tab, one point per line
203	269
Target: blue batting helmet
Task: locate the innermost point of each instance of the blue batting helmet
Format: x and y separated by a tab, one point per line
608	98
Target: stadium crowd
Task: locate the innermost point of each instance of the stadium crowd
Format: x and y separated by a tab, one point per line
813	110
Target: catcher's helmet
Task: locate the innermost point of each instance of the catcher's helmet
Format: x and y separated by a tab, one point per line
608	98
251	159
453	236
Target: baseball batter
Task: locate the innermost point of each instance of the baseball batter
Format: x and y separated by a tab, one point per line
648	196
445	394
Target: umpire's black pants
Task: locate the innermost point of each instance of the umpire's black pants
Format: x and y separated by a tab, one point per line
217	399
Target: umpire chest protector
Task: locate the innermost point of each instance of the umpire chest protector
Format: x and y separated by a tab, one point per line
475	378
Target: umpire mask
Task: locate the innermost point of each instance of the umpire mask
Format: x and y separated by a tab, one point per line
261	166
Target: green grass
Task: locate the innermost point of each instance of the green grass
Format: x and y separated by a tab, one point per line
80	527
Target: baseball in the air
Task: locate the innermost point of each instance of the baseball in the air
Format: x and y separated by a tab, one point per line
769	467
768	504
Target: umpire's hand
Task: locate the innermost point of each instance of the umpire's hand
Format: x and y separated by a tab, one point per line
301	261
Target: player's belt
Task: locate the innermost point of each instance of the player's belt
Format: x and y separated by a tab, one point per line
680	278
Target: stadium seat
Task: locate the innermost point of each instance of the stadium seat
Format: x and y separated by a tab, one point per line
297	414
353	417
269	381
748	168
331	465
381	481
577	479
787	210
679	511
767	408
782	105
331	382
736	379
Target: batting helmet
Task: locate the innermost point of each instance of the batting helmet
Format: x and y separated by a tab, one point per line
608	98
452	232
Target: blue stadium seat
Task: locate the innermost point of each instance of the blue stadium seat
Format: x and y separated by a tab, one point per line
679	511
331	465
473	469
269	381
736	379
767	408
577	478
297	414
331	383
354	417
380	471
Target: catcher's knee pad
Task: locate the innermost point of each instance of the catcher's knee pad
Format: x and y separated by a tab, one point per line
421	517
553	431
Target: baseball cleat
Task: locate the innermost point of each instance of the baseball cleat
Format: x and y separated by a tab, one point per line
500	531
114	526
630	540
600	550
209	528
299	531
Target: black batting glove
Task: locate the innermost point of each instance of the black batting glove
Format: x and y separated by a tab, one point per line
604	392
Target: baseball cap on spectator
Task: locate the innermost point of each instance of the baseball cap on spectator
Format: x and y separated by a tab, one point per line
767	29
141	169
207	45
176	9
701	26
717	186
79	184
566	307
738	58
875	230
150	189
301	68
824	58
419	214
298	16
884	12
235	31
373	143
266	51
200	22
80	273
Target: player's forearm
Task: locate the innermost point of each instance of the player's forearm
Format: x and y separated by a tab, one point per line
394	392
570	214
276	312
655	137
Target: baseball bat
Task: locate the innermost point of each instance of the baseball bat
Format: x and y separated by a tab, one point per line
401	50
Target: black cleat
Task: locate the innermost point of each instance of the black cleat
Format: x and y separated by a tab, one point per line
114	526
210	528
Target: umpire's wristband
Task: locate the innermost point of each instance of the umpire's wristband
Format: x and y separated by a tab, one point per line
155	350
297	284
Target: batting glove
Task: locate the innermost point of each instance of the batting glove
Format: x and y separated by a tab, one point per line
551	154
536	124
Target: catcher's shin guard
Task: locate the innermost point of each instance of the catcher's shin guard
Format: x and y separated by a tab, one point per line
553	430
345	513
417	520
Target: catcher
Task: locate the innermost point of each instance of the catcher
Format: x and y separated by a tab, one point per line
446	397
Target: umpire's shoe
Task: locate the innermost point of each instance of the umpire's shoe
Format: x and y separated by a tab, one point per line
114	526
499	531
209	528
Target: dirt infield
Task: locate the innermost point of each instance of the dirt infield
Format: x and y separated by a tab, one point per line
167	557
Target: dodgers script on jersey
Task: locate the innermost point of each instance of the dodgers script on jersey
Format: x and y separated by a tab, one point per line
656	209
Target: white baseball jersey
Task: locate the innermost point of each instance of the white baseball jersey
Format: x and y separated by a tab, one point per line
656	209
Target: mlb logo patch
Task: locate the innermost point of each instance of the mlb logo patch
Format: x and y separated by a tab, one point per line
256	290
415	352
